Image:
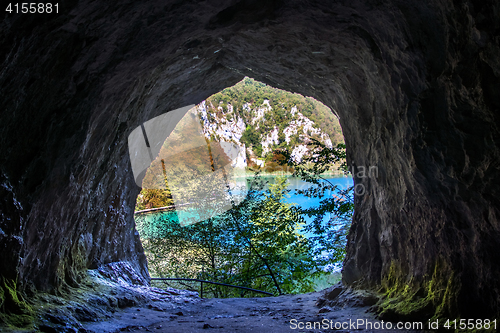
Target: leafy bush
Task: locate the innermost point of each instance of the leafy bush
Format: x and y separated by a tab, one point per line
333	216
256	244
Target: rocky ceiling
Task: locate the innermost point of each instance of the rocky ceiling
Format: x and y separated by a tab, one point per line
415	83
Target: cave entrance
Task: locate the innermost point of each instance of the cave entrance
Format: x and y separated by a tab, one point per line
219	203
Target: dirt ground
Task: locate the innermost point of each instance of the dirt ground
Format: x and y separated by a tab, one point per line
265	314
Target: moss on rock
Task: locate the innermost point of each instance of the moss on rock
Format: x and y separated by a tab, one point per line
15	312
432	297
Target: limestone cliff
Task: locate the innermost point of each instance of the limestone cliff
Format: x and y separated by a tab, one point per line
230	125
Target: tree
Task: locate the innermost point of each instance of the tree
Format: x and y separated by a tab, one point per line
333	216
274	232
250	137
256	244
153	198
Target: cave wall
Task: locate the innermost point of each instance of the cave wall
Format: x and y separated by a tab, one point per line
415	85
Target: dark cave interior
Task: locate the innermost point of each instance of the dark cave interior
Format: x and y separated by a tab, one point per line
415	86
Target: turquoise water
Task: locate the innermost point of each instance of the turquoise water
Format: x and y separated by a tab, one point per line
296	183
298	199
151	224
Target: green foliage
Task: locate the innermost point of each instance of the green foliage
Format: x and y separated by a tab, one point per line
258	150
333	216
325	280
281	102
407	300
274	228
256	244
153	198
250	137
15	312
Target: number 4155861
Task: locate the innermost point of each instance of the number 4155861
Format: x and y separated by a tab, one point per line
32	7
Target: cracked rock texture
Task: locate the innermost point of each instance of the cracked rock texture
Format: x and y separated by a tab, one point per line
415	84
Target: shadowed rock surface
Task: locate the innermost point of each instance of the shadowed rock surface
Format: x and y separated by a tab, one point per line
415	85
287	313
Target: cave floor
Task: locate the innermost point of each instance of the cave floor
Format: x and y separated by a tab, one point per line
263	314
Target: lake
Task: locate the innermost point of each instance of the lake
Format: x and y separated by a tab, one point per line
149	224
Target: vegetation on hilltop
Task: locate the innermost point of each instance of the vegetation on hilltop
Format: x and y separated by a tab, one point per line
249	95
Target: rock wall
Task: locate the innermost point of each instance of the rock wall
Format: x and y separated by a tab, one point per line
415	85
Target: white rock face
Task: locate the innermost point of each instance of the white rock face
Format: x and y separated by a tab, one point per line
224	130
299	152
260	112
232	131
307	128
241	160
203	112
271	138
326	140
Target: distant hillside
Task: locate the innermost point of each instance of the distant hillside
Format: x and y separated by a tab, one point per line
256	117
261	119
